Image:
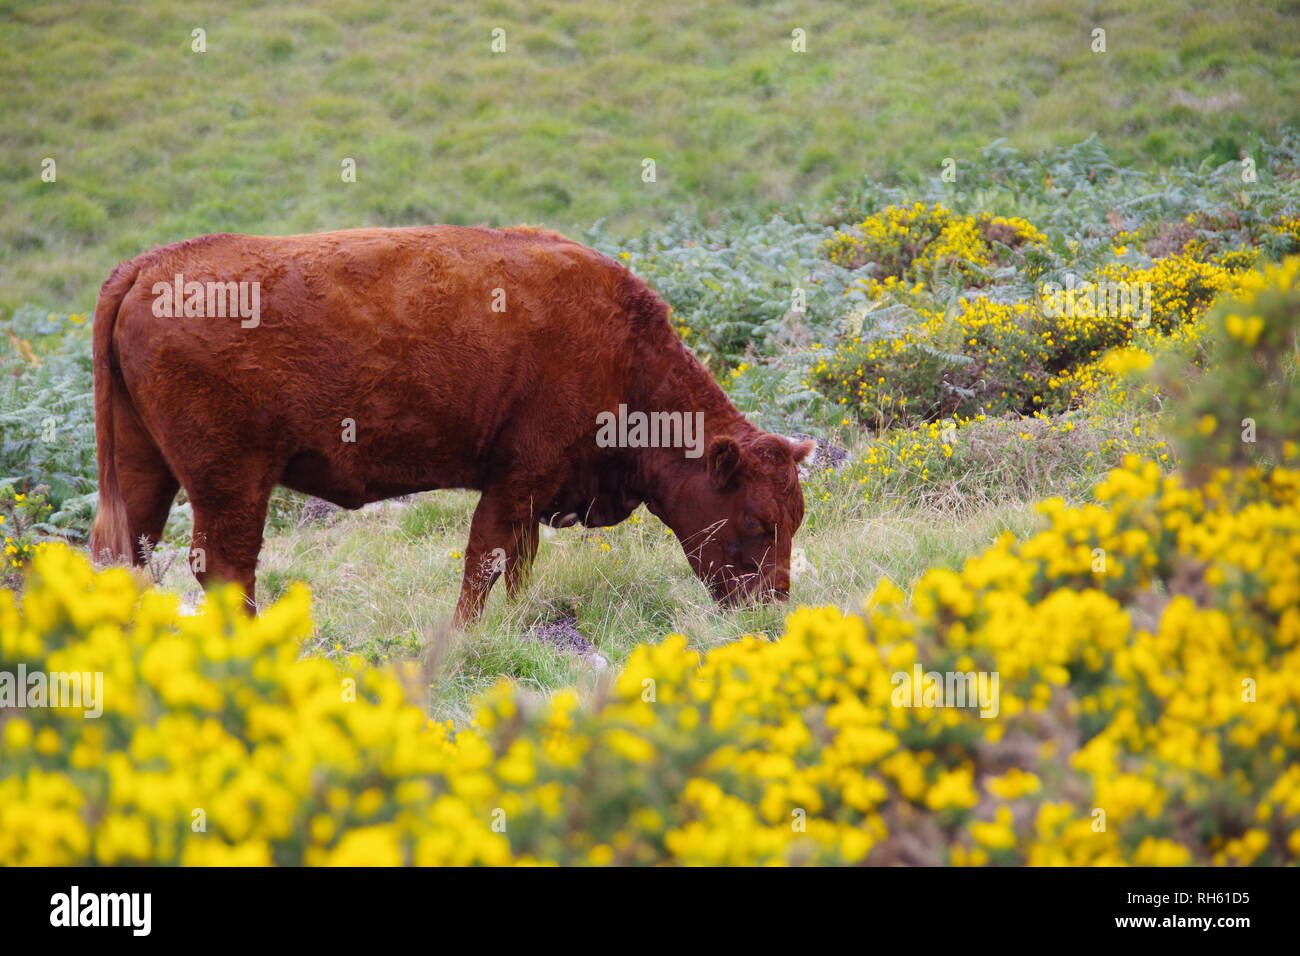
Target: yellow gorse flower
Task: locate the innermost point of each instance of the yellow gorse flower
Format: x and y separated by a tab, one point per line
220	745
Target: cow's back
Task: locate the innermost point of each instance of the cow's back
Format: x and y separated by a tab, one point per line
379	360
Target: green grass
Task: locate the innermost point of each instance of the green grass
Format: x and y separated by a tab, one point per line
155	143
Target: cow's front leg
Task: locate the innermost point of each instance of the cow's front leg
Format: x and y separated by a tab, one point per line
517	570
502	540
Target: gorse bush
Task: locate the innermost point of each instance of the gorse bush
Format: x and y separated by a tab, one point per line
1244	406
1126	727
907	241
1022	386
1133	670
1040	355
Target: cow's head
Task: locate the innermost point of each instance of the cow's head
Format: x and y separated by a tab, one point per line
737	516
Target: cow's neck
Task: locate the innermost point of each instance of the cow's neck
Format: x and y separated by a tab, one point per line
677	382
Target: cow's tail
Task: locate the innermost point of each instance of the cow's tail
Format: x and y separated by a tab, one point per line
110	539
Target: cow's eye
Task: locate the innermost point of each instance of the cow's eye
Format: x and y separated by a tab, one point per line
753	526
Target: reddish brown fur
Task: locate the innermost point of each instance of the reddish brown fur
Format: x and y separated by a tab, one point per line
393	328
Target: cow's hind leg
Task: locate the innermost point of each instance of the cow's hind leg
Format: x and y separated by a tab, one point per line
229	519
147	487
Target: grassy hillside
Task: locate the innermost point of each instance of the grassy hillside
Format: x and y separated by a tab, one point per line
155	143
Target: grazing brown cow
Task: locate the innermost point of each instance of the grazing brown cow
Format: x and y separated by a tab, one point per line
364	364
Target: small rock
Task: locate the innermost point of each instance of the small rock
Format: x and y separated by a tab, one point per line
317	511
564	635
396	503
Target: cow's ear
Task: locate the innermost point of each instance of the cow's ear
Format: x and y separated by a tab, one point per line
724	461
802	449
